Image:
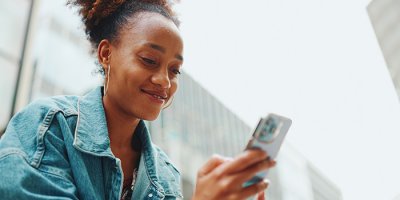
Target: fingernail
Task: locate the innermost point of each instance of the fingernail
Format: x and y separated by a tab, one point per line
264	186
266	182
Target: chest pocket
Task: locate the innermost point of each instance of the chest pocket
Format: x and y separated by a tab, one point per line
160	181
169	179
153	194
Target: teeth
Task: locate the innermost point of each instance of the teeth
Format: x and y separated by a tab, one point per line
158	97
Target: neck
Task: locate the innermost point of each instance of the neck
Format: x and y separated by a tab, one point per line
120	125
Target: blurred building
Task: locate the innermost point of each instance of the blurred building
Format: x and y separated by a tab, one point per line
198	125
397	197
193	128
13	20
385	18
48	59
322	188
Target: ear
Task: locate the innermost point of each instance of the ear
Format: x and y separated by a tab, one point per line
104	53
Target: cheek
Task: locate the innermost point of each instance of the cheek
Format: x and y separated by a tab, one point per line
174	87
135	75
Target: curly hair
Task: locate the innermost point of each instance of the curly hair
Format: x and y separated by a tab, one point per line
104	18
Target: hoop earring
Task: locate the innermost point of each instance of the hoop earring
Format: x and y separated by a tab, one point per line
105	87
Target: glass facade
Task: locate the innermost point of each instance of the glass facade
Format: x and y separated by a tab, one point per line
194	127
322	188
62	53
13	20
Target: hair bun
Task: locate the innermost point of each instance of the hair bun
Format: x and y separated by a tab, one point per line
93	11
103	18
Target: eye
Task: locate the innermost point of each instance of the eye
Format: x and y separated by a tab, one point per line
176	71
149	61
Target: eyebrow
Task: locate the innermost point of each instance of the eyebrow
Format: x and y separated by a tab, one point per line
162	50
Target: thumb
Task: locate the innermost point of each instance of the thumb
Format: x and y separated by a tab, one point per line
261	196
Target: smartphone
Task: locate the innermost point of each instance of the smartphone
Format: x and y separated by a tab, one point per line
268	136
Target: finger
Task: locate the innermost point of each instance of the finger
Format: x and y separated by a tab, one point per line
243	161
212	163
248	173
261	196
254	189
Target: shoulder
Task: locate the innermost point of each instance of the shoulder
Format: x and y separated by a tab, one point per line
28	127
40	113
39	109
65	104
34	145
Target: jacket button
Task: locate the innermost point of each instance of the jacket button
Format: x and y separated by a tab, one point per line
150	195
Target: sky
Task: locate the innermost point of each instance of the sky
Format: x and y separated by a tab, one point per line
317	62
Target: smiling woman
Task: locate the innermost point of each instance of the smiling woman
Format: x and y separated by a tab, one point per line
142	71
97	146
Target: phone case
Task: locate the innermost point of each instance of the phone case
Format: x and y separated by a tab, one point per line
268	136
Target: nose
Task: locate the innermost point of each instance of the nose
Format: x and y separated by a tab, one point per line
161	79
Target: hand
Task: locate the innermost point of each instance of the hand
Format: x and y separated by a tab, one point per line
222	178
261	196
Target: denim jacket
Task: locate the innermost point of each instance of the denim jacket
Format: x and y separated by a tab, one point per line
58	148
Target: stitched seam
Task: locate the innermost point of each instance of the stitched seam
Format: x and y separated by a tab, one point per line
53	174
68	112
13	151
75	137
40	149
159	189
77	121
163	158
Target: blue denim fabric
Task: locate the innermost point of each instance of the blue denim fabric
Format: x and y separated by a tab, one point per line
58	148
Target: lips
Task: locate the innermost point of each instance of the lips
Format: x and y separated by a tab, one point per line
156	96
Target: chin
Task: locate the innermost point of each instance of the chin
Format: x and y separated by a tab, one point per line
150	116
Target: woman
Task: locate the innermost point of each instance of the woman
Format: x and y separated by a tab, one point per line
97	146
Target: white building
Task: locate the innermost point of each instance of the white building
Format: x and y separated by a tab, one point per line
385	18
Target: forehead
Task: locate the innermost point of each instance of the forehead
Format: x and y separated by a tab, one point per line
151	27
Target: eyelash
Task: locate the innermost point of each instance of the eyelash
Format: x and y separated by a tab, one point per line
176	71
152	62
149	61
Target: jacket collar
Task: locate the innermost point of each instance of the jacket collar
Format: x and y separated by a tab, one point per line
91	133
91	136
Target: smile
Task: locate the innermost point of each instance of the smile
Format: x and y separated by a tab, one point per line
155	96
159	97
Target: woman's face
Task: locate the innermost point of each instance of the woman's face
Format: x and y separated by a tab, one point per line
145	64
